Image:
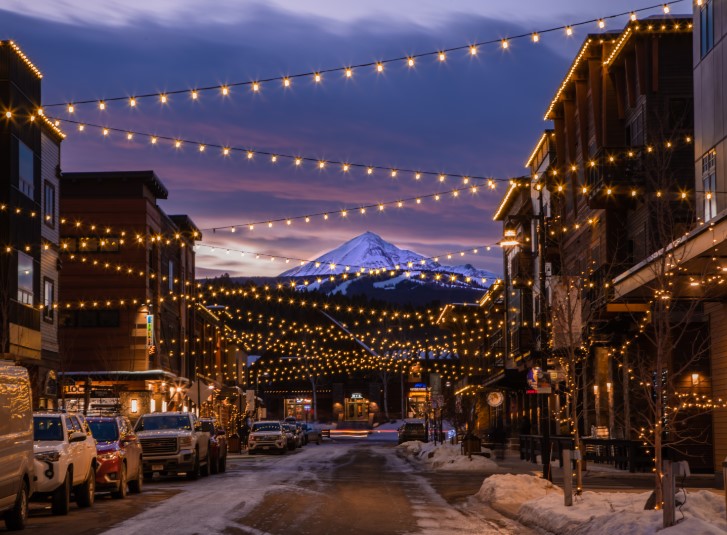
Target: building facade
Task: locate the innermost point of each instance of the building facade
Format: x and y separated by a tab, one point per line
29	159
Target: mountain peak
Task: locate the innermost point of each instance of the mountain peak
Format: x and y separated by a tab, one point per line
371	251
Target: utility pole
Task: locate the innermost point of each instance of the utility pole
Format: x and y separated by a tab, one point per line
544	342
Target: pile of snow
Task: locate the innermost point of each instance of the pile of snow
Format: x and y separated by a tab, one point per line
536	502
445	457
515	489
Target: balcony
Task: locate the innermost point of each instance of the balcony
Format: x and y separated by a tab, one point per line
612	174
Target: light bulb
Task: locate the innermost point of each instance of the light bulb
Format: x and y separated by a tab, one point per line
473	50
102	105
568	30
410	62
536	37
286	82
194	94
442	56
505	43
379	67
601	23
70	108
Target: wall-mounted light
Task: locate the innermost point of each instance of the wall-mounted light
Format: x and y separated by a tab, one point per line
134	406
153	405
164	406
695	379
608	387
595	389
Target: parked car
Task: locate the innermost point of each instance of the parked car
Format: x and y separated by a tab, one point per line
413	430
292	436
173	443
267	436
118	454
17	468
312	433
302	432
218	444
65	460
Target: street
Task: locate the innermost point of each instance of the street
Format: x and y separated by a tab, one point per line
347	486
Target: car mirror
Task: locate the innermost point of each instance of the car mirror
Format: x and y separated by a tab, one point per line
77	436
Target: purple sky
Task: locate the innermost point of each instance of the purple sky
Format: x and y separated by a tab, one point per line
478	116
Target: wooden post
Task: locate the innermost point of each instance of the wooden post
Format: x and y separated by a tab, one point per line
567	477
669	491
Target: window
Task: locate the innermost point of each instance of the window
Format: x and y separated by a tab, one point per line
49	291
26	170
171	276
90	318
709	184
636	130
706	27
49	204
25	278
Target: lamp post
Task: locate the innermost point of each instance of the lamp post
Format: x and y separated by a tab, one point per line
543	324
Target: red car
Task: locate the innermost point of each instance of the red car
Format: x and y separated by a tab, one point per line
118	453
218	444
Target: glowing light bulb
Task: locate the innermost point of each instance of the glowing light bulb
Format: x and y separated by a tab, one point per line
177	143
393	173
195	95
105	131
505	43
286	82
601	23
345	167
129	136
70	108
410	62
298	161
379	67
317	77
536	37
417	176
81	127
226	151
442	178
225	90
633	16
442	56
256	86
132	102
201	148
8	114
321	164
102	105
163	99
153	140
568	30
666	8
250	154
370	171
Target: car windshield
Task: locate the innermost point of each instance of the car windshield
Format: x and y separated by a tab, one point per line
209	427
47	428
414	427
266	426
155	423
104	430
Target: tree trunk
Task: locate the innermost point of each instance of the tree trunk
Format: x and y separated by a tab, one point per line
386	395
315	398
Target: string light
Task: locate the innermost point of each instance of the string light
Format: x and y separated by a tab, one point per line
317	75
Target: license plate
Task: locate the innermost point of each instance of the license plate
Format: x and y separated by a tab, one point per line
157	467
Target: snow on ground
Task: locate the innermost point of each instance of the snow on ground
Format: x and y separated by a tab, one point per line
211	504
342	288
445	457
391	283
538	503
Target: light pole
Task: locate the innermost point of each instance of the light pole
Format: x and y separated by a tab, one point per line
543	322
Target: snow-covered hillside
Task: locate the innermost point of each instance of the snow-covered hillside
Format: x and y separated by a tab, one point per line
370	251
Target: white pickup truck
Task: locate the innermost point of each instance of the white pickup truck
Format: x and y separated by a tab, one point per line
65	460
173	443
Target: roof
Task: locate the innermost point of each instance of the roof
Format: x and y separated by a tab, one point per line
515	184
651	25
18	52
148	178
543	139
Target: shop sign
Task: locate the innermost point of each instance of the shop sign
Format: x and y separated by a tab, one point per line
538	382
356	395
495	399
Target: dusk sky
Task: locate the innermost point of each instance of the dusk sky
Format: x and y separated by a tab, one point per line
469	115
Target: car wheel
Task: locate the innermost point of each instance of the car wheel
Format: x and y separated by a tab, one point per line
86	492
223	464
16	517
136	485
194	473
215	466
61	500
121	493
205	470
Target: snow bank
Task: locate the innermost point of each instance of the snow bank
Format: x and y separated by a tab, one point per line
445	457
536	502
515	489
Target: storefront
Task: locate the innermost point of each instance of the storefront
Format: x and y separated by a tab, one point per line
298	408
356	408
419	401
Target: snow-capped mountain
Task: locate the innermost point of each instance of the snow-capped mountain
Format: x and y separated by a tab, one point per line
370	251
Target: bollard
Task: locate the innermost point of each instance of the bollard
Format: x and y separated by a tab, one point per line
567	478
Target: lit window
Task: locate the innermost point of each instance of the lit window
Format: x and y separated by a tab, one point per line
49	290
25	278
709	184
49	204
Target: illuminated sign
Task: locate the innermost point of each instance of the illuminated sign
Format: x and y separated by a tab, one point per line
356	395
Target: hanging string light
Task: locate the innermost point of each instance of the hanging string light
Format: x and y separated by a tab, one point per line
347	70
272	157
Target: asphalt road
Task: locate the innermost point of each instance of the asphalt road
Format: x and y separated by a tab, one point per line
340	487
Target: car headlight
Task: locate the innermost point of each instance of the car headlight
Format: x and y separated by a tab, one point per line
185	443
107	456
48	456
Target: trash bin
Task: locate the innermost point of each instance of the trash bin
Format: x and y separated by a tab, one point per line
233	444
471	444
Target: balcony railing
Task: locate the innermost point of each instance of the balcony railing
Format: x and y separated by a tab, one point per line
612	173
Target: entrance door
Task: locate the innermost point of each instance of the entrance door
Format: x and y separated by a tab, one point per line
357	410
